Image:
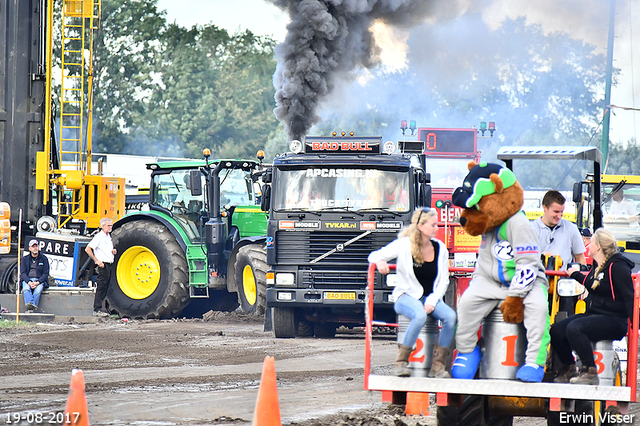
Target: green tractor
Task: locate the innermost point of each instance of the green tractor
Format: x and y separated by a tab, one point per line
202	237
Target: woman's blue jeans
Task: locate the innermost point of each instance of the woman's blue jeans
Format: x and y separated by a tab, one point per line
413	309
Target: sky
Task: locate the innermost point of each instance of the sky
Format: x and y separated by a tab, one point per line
583	22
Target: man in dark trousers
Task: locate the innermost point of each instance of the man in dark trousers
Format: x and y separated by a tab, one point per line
34	275
101	250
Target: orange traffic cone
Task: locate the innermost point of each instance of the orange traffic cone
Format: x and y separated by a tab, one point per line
76	411
417	404
267	407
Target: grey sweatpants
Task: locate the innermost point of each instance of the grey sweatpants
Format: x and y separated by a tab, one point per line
483	296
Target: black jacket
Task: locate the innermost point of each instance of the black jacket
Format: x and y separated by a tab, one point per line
42	269
611	297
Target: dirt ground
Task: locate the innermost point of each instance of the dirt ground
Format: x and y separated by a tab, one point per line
195	372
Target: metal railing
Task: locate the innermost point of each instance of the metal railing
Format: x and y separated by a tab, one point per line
632	333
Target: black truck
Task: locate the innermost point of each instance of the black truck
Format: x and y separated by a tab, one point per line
331	201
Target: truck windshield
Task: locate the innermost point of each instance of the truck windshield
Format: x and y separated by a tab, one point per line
326	188
620	202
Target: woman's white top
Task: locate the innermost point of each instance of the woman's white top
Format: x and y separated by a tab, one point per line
400	249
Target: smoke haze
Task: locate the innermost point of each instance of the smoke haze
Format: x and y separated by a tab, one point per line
439	59
326	41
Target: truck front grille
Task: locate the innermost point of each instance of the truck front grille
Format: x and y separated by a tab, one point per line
351	280
300	248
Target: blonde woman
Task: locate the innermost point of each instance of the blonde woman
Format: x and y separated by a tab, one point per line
422	266
609	300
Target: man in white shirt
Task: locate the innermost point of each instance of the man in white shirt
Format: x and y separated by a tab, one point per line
558	236
451	180
101	250
621	206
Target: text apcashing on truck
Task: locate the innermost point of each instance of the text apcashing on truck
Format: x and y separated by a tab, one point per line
331	202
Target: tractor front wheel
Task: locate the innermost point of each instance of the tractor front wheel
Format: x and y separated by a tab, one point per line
251	278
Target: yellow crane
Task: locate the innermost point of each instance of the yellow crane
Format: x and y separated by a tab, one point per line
81	195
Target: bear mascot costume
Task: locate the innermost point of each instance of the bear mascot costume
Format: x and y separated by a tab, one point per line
508	273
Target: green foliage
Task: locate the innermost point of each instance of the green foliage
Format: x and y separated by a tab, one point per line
624	159
13	324
125	53
173	91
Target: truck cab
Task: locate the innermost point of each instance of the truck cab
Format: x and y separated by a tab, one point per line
331	202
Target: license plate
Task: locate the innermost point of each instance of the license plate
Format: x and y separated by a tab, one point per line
340	296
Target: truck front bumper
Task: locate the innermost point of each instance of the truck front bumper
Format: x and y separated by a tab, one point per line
308	297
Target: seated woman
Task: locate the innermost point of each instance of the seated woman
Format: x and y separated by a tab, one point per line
609	300
423	278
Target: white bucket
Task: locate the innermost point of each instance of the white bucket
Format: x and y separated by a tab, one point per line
606	361
505	345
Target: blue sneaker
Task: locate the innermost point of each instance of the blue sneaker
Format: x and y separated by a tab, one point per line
466	365
531	373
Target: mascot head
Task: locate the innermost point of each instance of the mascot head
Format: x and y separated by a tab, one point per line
489	195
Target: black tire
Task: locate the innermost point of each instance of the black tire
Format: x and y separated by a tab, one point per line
9	274
326	330
470	413
285	324
584	410
251	278
153	250
305	328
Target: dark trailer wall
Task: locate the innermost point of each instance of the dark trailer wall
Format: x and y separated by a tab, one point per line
22	107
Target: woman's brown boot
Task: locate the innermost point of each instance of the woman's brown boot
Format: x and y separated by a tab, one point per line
566	373
587	376
402	362
438	362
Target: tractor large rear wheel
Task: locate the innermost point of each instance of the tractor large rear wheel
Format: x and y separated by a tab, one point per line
150	278
8	275
251	278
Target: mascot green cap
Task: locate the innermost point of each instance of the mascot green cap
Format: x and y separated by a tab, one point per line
478	183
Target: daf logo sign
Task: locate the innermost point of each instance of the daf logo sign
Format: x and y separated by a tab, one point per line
340	247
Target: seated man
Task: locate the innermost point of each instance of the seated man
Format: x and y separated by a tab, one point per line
621	207
185	200
34	275
451	180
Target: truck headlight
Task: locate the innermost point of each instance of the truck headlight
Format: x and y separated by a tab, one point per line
285	278
392	280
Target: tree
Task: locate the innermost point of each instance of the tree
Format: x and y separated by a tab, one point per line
126	50
173	91
624	159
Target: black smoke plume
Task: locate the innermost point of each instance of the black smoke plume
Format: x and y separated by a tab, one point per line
326	40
